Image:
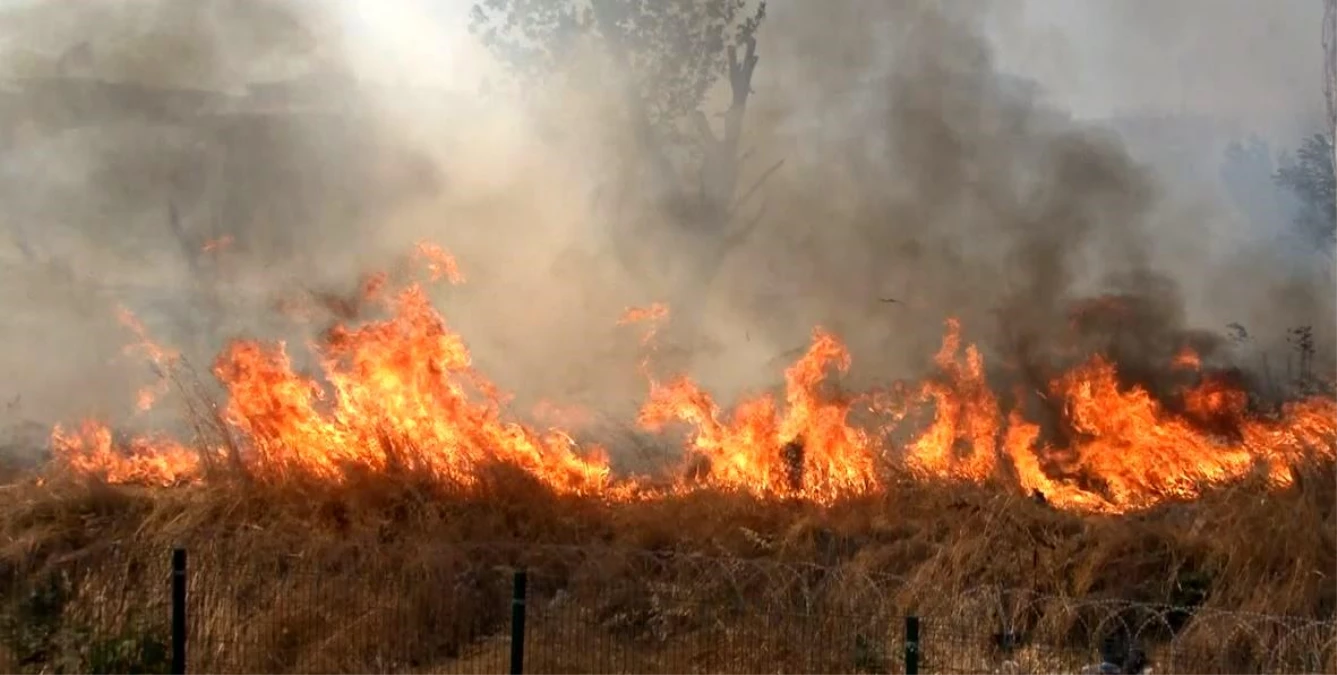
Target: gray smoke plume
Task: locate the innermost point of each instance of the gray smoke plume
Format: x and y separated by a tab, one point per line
952	189
919	182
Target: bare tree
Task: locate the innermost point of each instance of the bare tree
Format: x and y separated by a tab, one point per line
674	54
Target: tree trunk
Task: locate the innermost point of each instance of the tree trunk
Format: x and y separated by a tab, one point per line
707	209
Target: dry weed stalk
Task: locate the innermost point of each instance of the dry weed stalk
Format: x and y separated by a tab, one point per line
393	573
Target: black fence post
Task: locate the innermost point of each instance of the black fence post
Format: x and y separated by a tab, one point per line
911	645
178	611
518	623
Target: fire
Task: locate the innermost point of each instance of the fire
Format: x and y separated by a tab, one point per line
558	415
1126	449
90	451
160	358
805	449
965	416
652	316
217	245
400	394
1187	359
1136	450
439	263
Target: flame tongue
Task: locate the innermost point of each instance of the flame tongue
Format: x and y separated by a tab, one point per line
965	416
398	393
805	449
404	393
401	393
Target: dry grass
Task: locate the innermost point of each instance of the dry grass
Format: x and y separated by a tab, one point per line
395	573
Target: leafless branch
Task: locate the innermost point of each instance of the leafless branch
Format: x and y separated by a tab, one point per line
756	185
703	129
742	233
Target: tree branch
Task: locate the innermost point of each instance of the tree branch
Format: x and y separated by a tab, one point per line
605	17
703	129
737	237
740	83
756	185
189	247
740	74
722	158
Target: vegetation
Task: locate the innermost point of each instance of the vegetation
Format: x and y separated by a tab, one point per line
672	58
388	566
379	569
1309	176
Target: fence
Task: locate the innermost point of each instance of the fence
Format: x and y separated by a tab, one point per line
503	609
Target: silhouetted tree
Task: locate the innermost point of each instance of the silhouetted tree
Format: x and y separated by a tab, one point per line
673	54
1309	176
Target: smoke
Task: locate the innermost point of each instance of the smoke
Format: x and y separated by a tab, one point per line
116	116
925	174
919	182
317	147
929	178
1235	61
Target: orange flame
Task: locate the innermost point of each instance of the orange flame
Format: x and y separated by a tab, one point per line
161	358
217	245
440	264
90	451
962	440
401	394
1187	359
653	316
805	450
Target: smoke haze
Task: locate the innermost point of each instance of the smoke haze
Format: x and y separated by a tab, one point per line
1250	65
937	155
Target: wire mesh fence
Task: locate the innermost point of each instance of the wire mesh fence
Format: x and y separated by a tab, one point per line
499	609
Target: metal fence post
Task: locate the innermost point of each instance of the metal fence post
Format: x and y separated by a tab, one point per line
518	623
911	645
178	611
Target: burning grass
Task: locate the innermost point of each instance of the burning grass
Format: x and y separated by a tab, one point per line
401	392
1178	489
